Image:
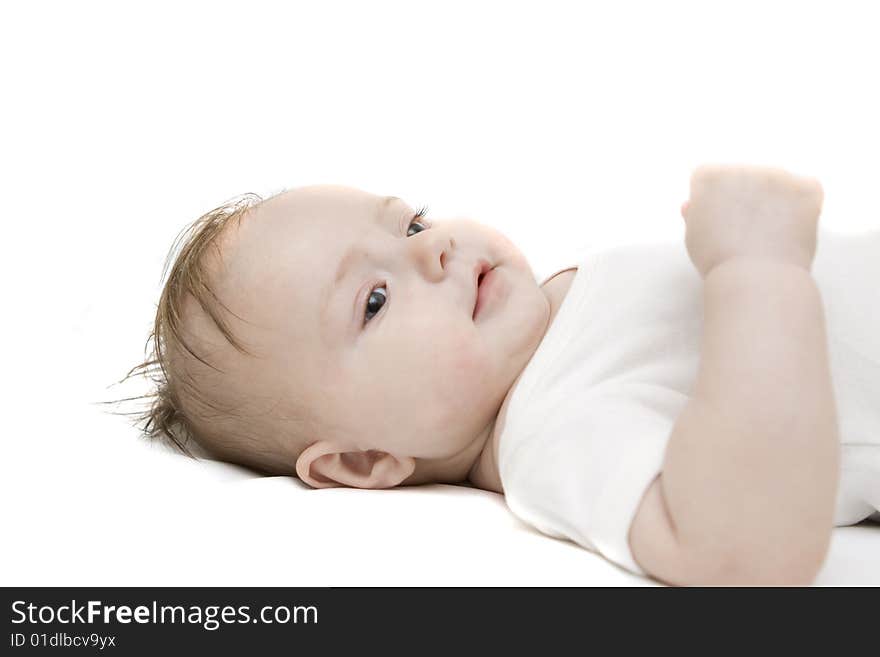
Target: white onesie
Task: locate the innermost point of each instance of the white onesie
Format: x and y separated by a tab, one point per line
587	426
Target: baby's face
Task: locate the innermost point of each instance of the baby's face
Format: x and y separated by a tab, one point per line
389	355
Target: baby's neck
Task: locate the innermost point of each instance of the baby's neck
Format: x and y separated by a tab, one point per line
456	469
484	473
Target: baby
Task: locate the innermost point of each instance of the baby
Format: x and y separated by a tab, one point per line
668	406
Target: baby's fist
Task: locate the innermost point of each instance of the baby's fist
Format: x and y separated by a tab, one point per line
746	211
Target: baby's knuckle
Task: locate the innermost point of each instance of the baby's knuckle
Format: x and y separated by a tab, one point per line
706	174
812	188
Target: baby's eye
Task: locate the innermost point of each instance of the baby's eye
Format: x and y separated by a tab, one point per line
414	221
374	305
377	299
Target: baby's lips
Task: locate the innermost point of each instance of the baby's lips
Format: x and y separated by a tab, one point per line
684	207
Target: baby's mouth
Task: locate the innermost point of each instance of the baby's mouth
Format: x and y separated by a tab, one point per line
477	295
484	268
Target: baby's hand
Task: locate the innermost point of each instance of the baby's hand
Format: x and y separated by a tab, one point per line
755	212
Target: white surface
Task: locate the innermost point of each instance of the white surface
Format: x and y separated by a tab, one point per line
210	524
562	124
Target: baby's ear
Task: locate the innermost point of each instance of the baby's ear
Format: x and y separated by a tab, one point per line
323	465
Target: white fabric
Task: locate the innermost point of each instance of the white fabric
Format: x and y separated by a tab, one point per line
587	427
180	523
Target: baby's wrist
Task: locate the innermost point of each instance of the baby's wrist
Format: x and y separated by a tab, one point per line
767	261
768	265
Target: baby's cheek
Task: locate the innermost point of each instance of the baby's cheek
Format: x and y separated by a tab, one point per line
466	368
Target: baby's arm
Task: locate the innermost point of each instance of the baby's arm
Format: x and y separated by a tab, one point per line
751	469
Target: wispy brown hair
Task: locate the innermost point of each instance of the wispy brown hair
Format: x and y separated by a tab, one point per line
186	408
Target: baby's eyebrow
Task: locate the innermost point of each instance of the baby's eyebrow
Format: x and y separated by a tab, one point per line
346	262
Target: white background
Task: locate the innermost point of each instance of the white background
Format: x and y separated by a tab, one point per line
562	124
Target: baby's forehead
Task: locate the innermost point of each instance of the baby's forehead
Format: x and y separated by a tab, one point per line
299	215
317	202
318	218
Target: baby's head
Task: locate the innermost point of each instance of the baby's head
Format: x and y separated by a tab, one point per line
330	333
